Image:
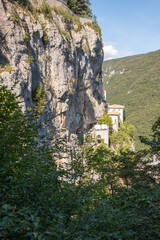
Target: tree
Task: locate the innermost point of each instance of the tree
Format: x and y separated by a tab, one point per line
123	139
106	119
80	7
98	195
153	143
152	154
16	128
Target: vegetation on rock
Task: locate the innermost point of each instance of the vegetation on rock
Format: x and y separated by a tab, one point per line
96	28
15	15
40	99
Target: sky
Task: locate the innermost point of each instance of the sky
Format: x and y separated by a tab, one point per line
129	27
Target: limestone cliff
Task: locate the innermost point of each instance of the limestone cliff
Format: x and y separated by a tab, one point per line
46	45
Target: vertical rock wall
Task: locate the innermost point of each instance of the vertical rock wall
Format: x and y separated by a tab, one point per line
54	52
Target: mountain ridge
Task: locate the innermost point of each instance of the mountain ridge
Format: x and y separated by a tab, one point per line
133	81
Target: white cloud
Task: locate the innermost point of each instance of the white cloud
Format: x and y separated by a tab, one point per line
109	52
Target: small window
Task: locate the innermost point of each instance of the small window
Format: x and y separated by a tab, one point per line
98	139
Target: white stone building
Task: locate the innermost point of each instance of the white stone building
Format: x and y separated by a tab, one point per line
117	108
115	119
101	132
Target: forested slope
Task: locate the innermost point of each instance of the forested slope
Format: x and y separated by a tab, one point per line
135	83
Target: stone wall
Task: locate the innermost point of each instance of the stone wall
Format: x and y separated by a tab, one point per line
101	133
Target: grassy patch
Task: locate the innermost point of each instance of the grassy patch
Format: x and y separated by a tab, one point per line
70	87
45	36
78	23
14	14
96	28
26	39
6	68
68	18
62	32
46	10
26	36
29	59
86	46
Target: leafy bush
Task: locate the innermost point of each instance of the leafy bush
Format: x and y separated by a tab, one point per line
40	99
123	138
105	119
109	197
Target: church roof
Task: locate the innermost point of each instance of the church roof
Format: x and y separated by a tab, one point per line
114	113
116	106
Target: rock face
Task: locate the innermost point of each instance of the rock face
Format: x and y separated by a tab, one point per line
59	52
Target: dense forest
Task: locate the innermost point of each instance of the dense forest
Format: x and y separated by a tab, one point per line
134	82
100	194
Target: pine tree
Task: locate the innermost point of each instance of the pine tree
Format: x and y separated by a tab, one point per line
80	7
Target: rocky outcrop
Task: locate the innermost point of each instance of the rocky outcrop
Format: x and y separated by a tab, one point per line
59	53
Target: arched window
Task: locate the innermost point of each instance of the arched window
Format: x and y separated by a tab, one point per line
98	139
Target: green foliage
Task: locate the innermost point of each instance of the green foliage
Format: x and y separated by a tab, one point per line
27	6
45	36
68	18
105	119
70	86
86	46
98	195
94	19
40	99
26	36
135	85
63	33
96	28
22	2
46	10
13	127
29	59
123	138
153	151
6	68
80	7
125	215
26	39
78	23
154	142
64	13
15	15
